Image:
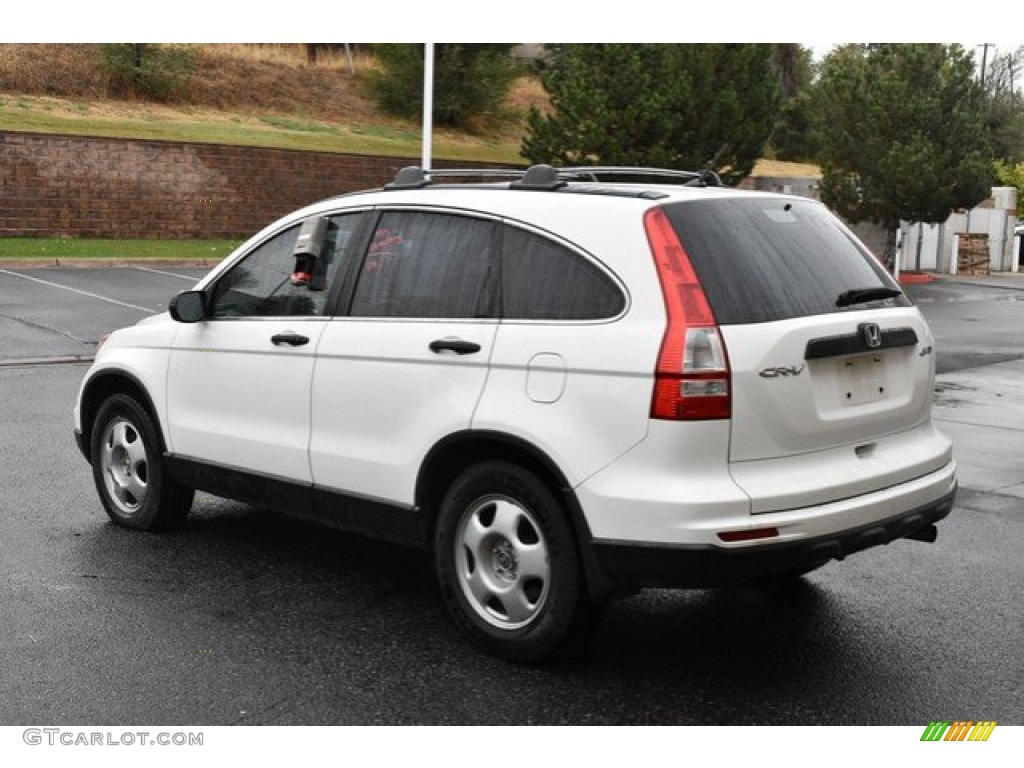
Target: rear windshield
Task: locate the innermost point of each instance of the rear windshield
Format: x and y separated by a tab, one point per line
764	259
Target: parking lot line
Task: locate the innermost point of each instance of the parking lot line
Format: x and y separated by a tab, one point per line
163	272
147	310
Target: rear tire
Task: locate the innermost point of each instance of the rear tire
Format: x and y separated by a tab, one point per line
507	564
129	471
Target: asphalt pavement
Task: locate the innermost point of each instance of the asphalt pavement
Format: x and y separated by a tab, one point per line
245	617
56	313
978	322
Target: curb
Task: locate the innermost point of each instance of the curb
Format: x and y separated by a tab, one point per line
1014	283
104	263
17	362
913	278
1007	281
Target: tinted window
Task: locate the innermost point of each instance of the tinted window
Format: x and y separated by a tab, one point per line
543	280
426	265
260	284
762	259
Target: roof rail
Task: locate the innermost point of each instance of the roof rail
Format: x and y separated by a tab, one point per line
692	178
410	177
546	177
540	177
706	178
592	172
479	172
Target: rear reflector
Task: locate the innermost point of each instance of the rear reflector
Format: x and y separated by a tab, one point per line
755	533
691	379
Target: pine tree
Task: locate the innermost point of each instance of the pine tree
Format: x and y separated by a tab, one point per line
673	106
903	133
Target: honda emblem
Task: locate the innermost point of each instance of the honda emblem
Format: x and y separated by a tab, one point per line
871	334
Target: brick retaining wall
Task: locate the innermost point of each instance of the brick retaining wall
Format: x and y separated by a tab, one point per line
79	186
96	187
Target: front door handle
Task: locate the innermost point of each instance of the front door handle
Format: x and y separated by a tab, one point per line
291	339
458	346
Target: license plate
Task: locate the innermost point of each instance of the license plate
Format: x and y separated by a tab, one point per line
862	379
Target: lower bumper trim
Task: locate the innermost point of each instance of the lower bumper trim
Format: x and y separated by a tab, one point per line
634	565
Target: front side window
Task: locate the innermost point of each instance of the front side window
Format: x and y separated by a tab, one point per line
260	285
427	265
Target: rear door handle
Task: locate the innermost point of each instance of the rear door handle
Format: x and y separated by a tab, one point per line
458	346
291	339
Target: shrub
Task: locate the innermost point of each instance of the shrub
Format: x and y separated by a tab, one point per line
157	71
470	81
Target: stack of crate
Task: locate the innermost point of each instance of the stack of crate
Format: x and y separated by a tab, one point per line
972	254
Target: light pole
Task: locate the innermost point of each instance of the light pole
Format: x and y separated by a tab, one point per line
428	103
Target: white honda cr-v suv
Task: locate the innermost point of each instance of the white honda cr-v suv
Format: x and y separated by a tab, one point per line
561	385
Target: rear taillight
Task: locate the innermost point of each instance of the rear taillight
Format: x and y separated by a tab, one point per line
691	379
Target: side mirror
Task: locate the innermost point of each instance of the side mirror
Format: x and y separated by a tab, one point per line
188	307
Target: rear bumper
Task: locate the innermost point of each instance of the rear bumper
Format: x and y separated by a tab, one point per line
676	489
629	564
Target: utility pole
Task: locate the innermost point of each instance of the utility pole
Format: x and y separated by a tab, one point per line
1011	66
984	59
348	55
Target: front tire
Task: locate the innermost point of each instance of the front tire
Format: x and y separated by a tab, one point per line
128	469
507	564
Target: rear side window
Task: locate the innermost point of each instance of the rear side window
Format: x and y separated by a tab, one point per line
543	280
427	265
764	259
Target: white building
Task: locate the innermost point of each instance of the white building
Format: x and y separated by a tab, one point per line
940	243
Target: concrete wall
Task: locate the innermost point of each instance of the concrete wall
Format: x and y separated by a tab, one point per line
95	187
994	217
933	239
872	235
805	186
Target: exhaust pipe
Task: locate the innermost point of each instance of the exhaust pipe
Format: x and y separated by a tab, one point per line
929	533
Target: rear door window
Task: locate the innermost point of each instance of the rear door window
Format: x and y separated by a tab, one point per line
422	264
761	259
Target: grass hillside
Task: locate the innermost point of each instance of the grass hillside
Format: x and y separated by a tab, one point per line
257	95
250	94
263	95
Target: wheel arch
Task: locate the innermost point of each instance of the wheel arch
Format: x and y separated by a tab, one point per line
459	451
113	382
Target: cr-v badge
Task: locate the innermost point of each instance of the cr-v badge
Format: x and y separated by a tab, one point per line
782	370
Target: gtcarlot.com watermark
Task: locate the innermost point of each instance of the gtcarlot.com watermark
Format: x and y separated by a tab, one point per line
69	738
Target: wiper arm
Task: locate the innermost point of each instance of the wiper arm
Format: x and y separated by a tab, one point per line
864	295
